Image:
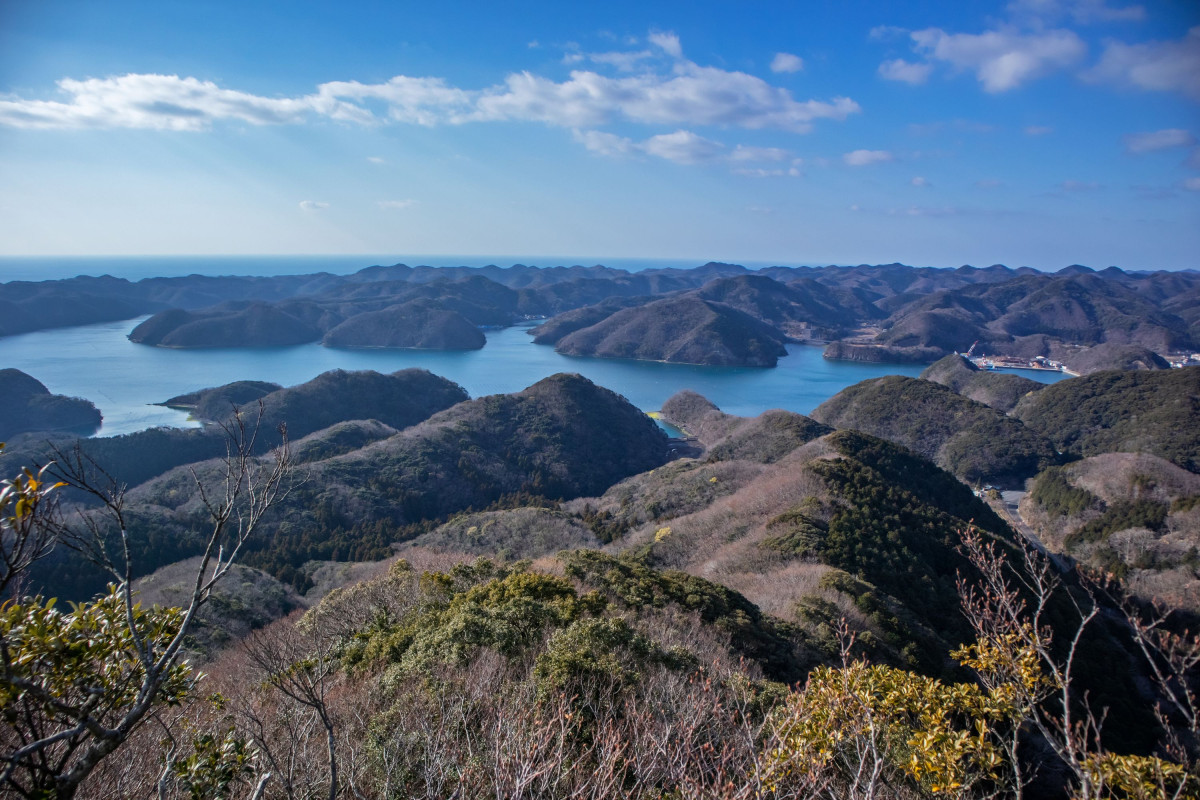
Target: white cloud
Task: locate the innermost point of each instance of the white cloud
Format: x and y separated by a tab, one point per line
1002	59
920	182
605	144
862	158
686	94
693	95
162	102
1038	130
686	147
900	70
376	160
313	205
419	101
683	147
882	32
760	173
625	61
1172	66
745	153
786	62
667	42
395	204
1158	140
1192	184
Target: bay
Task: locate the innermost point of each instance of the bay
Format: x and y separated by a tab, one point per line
124	379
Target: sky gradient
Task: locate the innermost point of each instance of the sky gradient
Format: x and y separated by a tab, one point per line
1034	132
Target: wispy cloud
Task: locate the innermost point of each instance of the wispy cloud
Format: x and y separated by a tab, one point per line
376	160
745	153
1192	184
678	93
395	204
606	144
667	42
1001	59
690	95
862	158
163	102
623	60
1082	12
1153	141
1170	66
313	205
920	182
687	147
683	147
1038	130
905	71
786	62
885	32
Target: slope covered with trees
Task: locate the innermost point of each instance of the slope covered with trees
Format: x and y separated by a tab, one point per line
972	440
1129	411
684	330
27	406
562	437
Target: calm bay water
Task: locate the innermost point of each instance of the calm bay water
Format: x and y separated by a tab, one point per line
124	379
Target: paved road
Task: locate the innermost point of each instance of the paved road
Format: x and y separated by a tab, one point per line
1008	508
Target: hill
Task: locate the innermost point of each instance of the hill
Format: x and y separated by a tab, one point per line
684	330
27	406
1121	411
414	324
998	390
977	443
399	399
562	437
801	310
1030	314
245	599
1132	515
215	403
395	401
1111	355
558	326
882	354
837	523
231	325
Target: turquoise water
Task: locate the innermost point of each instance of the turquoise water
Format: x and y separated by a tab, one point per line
123	379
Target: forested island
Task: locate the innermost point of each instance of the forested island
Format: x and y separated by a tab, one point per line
720	314
539	593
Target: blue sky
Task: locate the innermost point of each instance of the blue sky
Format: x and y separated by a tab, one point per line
1033	132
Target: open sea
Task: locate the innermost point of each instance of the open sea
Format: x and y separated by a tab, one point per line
45	268
126	380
